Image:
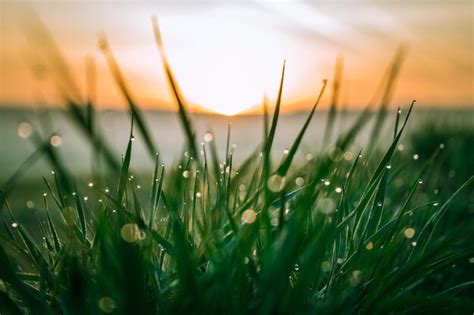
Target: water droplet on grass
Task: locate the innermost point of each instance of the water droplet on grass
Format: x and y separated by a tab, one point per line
186	174
90	184
325	266
24	129
30	204
409	233
276	183
107	304
14	225
327	182
416	156
369	246
338	190
249	216
420	181
348	155
400	147
309	157
413	244
208	137
56	140
130	233
299	181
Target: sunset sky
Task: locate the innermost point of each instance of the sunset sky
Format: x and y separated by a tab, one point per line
227	56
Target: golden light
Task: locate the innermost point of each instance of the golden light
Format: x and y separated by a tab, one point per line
227	65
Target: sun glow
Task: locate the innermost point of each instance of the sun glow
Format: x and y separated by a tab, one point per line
232	64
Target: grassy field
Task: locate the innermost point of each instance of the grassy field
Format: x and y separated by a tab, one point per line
380	229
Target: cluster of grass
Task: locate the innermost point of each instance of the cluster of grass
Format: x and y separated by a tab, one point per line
343	232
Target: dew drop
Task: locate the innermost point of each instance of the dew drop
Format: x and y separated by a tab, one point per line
299	181
208	137
420	181
413	244
309	157
130	233
285	151
186	174
348	155
409	233
471	260
327	182
369	246
24	129
296	267
400	147
388	167
436	204
249	216
416	156
276	183
325	266
198	195
90	184
107	304
86	198
56	140
338	190
14	225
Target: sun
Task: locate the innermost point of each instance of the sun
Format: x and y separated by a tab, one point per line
224	65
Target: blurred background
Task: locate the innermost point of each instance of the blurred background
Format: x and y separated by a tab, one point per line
225	56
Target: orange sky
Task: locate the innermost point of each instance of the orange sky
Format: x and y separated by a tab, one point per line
226	56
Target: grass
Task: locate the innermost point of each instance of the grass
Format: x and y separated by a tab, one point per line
341	233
